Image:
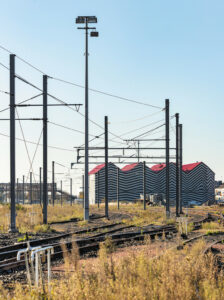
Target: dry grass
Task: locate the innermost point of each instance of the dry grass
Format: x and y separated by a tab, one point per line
29	217
186	274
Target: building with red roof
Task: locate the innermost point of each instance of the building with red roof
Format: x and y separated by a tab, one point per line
198	182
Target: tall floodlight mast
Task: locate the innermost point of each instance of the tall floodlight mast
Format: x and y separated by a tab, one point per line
93	33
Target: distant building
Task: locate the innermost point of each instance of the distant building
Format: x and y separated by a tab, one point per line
198	182
219	192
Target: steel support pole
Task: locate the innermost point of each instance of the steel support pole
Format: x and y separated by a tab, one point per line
40	184
138	151
23	189
53	189
118	200
31	190
177	164
144	186
106	166
61	192
167	117
12	145
98	190
83	189
181	164
45	185
17	190
86	210
71	191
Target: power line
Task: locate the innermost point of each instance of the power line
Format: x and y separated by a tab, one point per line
4	66
34	154
33	143
4	92
148	131
107	94
29	83
24	140
139	119
81	86
33	97
23	60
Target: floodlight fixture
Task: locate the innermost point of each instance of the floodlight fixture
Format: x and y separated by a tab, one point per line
91	19
80	20
94	33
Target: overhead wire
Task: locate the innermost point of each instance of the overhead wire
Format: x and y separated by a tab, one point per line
4	92
81	86
31	98
24	140
33	143
34	155
139	119
145	133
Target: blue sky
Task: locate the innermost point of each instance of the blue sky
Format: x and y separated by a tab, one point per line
147	51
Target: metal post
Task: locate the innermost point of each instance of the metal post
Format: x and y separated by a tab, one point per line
181	163
40	185
12	145
144	186
167	116
31	191
86	212
71	190
45	185
83	183
61	192
177	164
138	151
23	189
106	165
17	190
53	190
118	203
98	190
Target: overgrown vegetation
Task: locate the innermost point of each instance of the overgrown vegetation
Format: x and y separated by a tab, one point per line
29	217
186	274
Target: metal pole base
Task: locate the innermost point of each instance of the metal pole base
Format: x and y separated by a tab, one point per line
13	230
167	214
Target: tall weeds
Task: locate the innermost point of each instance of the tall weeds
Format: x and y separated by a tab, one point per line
176	275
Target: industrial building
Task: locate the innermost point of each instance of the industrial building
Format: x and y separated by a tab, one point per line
198	182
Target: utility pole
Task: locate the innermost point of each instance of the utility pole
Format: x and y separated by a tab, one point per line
40	187
52	190
144	186
61	192
106	165
118	204
177	164
23	189
83	184
86	20
17	190
98	190
12	145
138	151
71	190
181	164
31	190
45	185
167	117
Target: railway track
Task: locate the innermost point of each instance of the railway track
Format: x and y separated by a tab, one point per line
86	245
119	234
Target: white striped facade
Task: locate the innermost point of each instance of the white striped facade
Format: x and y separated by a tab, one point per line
198	183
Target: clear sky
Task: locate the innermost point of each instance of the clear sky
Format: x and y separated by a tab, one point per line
147	51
